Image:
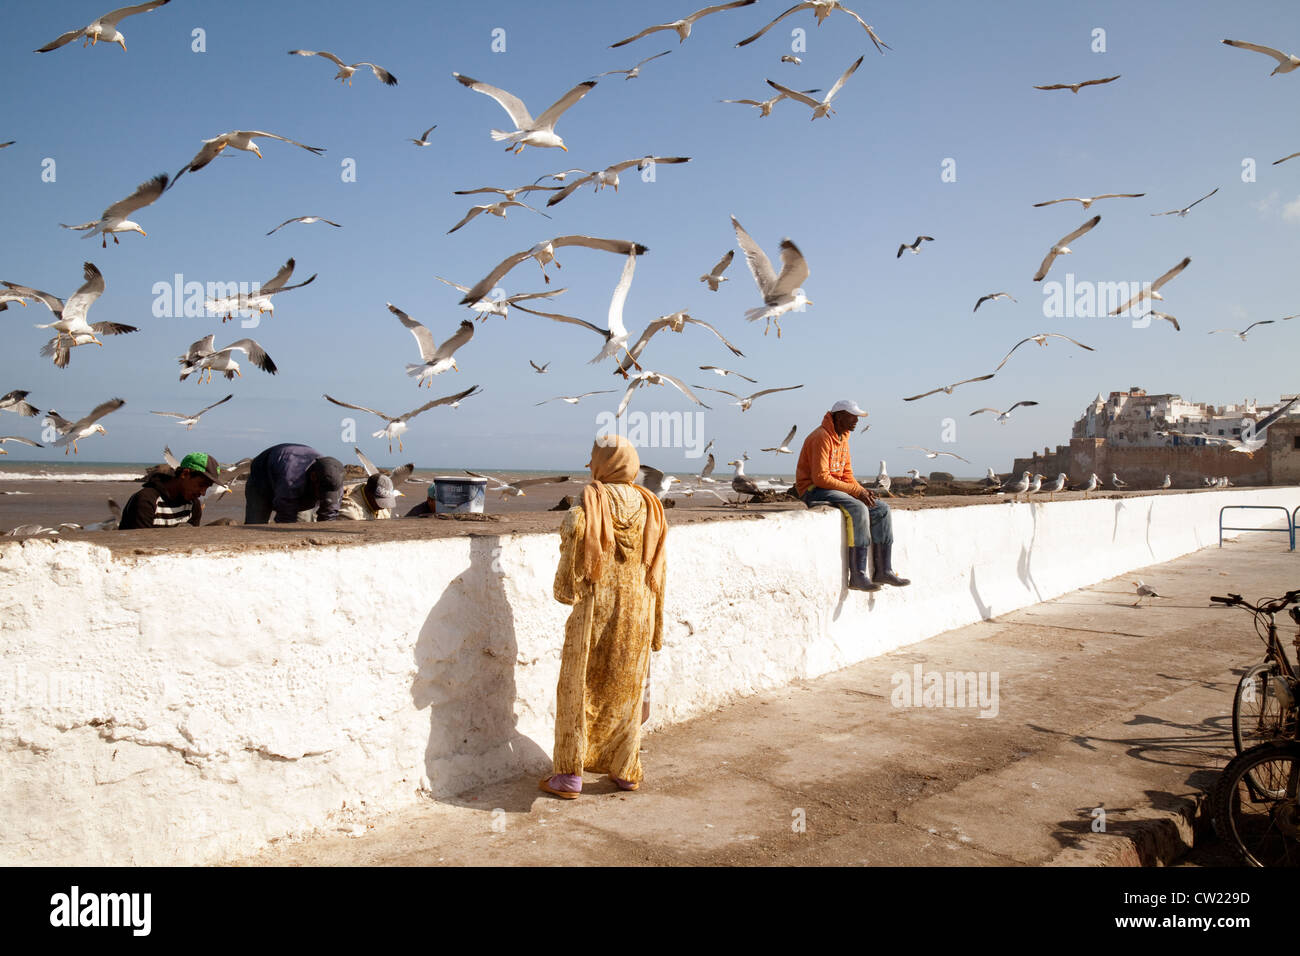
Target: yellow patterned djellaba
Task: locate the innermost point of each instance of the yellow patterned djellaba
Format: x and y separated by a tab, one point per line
607	643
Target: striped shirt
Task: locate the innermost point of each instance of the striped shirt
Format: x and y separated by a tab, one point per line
150	508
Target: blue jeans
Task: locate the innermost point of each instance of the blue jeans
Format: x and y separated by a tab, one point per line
863	524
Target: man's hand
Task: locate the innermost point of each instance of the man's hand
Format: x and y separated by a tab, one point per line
867	498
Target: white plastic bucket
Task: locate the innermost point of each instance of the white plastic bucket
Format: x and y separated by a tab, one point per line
452	496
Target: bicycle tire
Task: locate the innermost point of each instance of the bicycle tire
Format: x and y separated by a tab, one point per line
1256	811
1256	715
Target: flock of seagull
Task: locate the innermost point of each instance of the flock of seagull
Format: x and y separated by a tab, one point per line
780	291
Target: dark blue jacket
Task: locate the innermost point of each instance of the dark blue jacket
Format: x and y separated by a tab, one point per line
281	473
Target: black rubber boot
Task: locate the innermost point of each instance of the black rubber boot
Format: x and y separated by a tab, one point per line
882	554
858	580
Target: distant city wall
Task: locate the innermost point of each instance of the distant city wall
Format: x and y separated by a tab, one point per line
1145	467
190	708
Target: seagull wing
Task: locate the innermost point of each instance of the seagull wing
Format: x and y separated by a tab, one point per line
51	302
61	39
616	326
953	455
1109	79
725	261
785	442
144	194
725	371
1043	267
844	77
759	264
113	328
1253	324
277	281
769	391
464	332
423	337
1118	196
172	461
525	296
568	190
604	333
529	482
445	400
488	282
794	270
1008	355
112	405
256	354
995	411
794	94
1171	273
380	74
1266	50
512	104
709	388
1018	404
21	441
454	285
473	211
360	408
681	386
366	463
653	477
111	19
1285	158
1273	416
79	304
1206	196
214	405
552	112
1050	202
621	246
722	338
870	32
797	7
327	55
1086	227
252	133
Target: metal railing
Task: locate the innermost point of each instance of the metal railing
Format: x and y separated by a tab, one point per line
1290	516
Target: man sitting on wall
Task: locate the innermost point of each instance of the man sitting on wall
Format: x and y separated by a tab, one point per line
168	500
825	476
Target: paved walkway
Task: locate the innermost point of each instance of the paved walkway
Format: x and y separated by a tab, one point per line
1101	707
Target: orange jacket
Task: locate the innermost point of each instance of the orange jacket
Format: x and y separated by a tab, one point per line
825	462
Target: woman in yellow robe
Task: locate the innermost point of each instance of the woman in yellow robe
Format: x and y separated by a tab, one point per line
612	572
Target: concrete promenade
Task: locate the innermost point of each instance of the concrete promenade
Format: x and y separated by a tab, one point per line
1099	712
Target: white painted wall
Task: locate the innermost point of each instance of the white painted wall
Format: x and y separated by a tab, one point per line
188	708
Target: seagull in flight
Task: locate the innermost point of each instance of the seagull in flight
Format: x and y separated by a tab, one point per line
515	489
748	400
714	277
642	379
306	220
765	106
574	399
915	247
1003	417
1061	247
114	218
347	69
204	355
236	139
821	107
781	293
1186	209
70	324
396	425
656	481
1167	317
935	454
1286	62
105	28
676	322
507	193
636	70
436	358
544	254
723	372
609	175
1087	201
1075	87
1041	338
948	388
1242	334
1154	291
496	209
424	137
72	432
20	440
538	132
13	402
993	295
784	447
682	26
540	369
500	306
260	300
615	334
821	10
189	421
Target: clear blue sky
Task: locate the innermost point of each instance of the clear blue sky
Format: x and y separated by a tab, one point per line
847	189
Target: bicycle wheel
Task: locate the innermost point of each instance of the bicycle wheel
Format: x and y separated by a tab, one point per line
1256	715
1256	809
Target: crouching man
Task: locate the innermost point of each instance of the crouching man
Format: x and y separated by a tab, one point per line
825	476
166	500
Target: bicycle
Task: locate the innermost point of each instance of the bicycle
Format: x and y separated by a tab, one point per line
1263	706
1257	810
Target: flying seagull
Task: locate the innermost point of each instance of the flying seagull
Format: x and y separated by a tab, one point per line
436	358
70	323
204	355
305	219
574	399
1286	62
347	69
682	26
501	306
528	131
642	379
1041	338
655	481
260	300
821	107
1061	247
821	9
714	278
1003	417
13	402
948	388
105	28
236	139
72	432
914	247
676	322
189	421
540	369
507	193
1075	87
114	218
636	70
1257	440
1186	209
784	447
746	401
615	333
1242	334
516	488
609	175
1087	201
781	293
396	425
725	372
993	295
20	440
929	453
765	106
1154	291
1167	317
544	253
424	137
496	209
790	58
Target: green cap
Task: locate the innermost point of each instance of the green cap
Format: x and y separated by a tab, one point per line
201	464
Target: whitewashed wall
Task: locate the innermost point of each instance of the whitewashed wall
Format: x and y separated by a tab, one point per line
188	708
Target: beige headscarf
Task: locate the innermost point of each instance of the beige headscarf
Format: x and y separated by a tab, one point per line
614	460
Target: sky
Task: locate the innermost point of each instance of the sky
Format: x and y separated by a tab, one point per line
942	135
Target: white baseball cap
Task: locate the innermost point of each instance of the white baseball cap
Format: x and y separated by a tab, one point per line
844	405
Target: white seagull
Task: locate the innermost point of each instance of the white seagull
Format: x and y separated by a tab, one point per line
1059	485
1019	486
790	58
1144	590
203	355
821	10
1075	87
424	137
347	69
395	425
507	193
236	139
1186	209
1242	334
574	399
676	322
1166	483
1167	317
1087	201
516	488
189	421
1154	291
914	247
1286	62
105	28
765	106
609	175
1116	482
642	379
682	26
935	454
1061	248
305	219
781	293
70	322
883	482
615	334
13	402
656	481
741	483
1003	417
1093	482
993	295
499	306
821	107
72	432
114	218
258	301
1041	338
20	440
528	131
436	358
544	254
714	277
539	369
497	209
784	447
746	401
723	372
948	388
635	71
